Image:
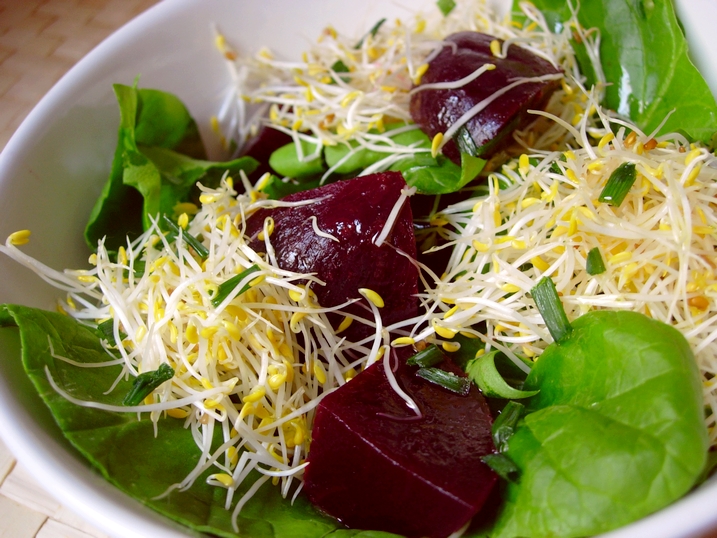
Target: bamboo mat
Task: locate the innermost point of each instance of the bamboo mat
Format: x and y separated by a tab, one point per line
39	41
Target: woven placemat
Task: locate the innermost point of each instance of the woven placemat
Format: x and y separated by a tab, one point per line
39	41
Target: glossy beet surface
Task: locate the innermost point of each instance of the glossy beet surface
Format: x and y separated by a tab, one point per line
399	473
436	110
354	211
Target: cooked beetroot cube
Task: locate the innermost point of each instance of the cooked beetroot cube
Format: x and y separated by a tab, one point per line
436	110
374	465
354	211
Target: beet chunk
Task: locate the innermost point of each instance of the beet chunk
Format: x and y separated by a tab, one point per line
436	110
354	211
373	464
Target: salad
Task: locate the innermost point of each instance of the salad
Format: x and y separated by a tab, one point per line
205	338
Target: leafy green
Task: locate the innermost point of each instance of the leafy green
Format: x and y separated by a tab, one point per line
125	450
646	63
362	158
430	175
439	175
286	161
180	173
615	433
149	175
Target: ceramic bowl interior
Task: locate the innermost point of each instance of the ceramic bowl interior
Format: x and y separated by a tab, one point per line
54	167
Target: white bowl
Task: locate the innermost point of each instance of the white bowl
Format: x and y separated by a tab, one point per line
54	166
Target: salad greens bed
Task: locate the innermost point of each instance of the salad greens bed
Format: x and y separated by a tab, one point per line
598	437
601	431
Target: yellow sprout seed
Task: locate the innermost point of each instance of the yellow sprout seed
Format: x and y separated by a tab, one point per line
372	296
18	238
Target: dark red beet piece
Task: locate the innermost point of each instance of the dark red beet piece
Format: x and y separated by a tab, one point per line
355	212
408	475
436	110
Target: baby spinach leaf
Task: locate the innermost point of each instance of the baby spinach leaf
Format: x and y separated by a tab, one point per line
180	173
430	175
362	158
438	175
149	175
286	161
646	63
615	433
125	450
163	121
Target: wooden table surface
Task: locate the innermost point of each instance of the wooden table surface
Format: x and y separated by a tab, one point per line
39	41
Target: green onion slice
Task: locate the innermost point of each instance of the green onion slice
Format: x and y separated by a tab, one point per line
428	357
372	32
446	6
618	184
594	264
340	67
105	331
503	466
483	372
548	302
192	241
145	383
227	287
447	380
505	424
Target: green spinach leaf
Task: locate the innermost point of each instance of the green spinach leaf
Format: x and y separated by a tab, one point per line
646	63
286	161
439	175
615	433
430	175
125	450
158	159
361	159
